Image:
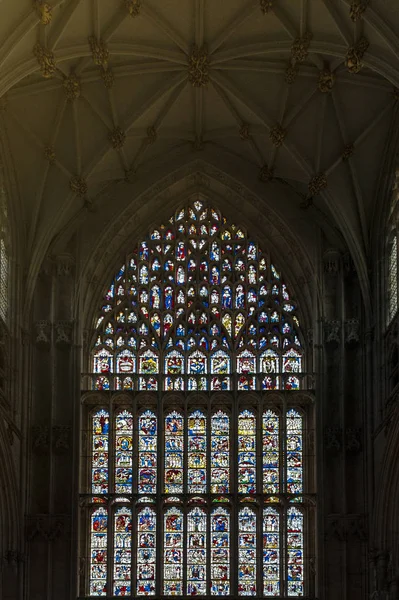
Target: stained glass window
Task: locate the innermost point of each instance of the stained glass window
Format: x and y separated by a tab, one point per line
220	453
295	552
196	552
99	474
122	552
98	547
174	444
197	452
220	552
393	279
246	453
271	453
247	552
146	551
4	255
147	473
196	356
173	552
124	452
197	305
271	552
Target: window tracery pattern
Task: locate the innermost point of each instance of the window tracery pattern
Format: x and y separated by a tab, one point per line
181	501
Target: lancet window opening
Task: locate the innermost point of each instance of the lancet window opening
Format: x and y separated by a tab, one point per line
197	496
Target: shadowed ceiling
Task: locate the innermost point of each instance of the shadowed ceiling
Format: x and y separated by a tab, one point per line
296	99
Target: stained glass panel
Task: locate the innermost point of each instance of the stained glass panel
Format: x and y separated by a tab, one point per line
295	552
294	452
220	453
246	452
196	552
220	552
99	473
271	552
393	279
247	552
197	451
271	453
98	550
146	551
147	475
174	445
122	552
173	553
124	452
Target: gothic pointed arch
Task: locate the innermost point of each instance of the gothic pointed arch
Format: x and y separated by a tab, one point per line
196	419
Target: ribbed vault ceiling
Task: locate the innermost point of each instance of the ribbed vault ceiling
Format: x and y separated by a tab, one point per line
98	92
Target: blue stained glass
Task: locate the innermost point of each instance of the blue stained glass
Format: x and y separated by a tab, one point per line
173	552
146	552
271	552
247	552
123	452
220	453
98	552
295	552
196	552
220	552
99	472
294	458
122	552
197	451
246	452
174	445
148	452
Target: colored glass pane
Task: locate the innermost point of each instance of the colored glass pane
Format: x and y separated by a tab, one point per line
99	471
196	552
271	453
295	573
220	453
393	279
294	428
246	453
271	552
123	452
98	552
197	451
173	553
174	445
220	552
247	552
146	551
147	473
122	552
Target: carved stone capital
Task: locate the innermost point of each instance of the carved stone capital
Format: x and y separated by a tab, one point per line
198	66
45	526
46	60
332	331
333	439
63	331
352	327
133	7
40	439
355	54
43	334
72	87
99	51
348	151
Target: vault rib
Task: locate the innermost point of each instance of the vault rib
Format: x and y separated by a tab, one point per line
237	21
339	22
165	28
62	23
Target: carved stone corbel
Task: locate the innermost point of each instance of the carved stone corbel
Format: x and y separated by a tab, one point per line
64	263
332	330
40	439
43	334
63	331
61	438
352	327
333	439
